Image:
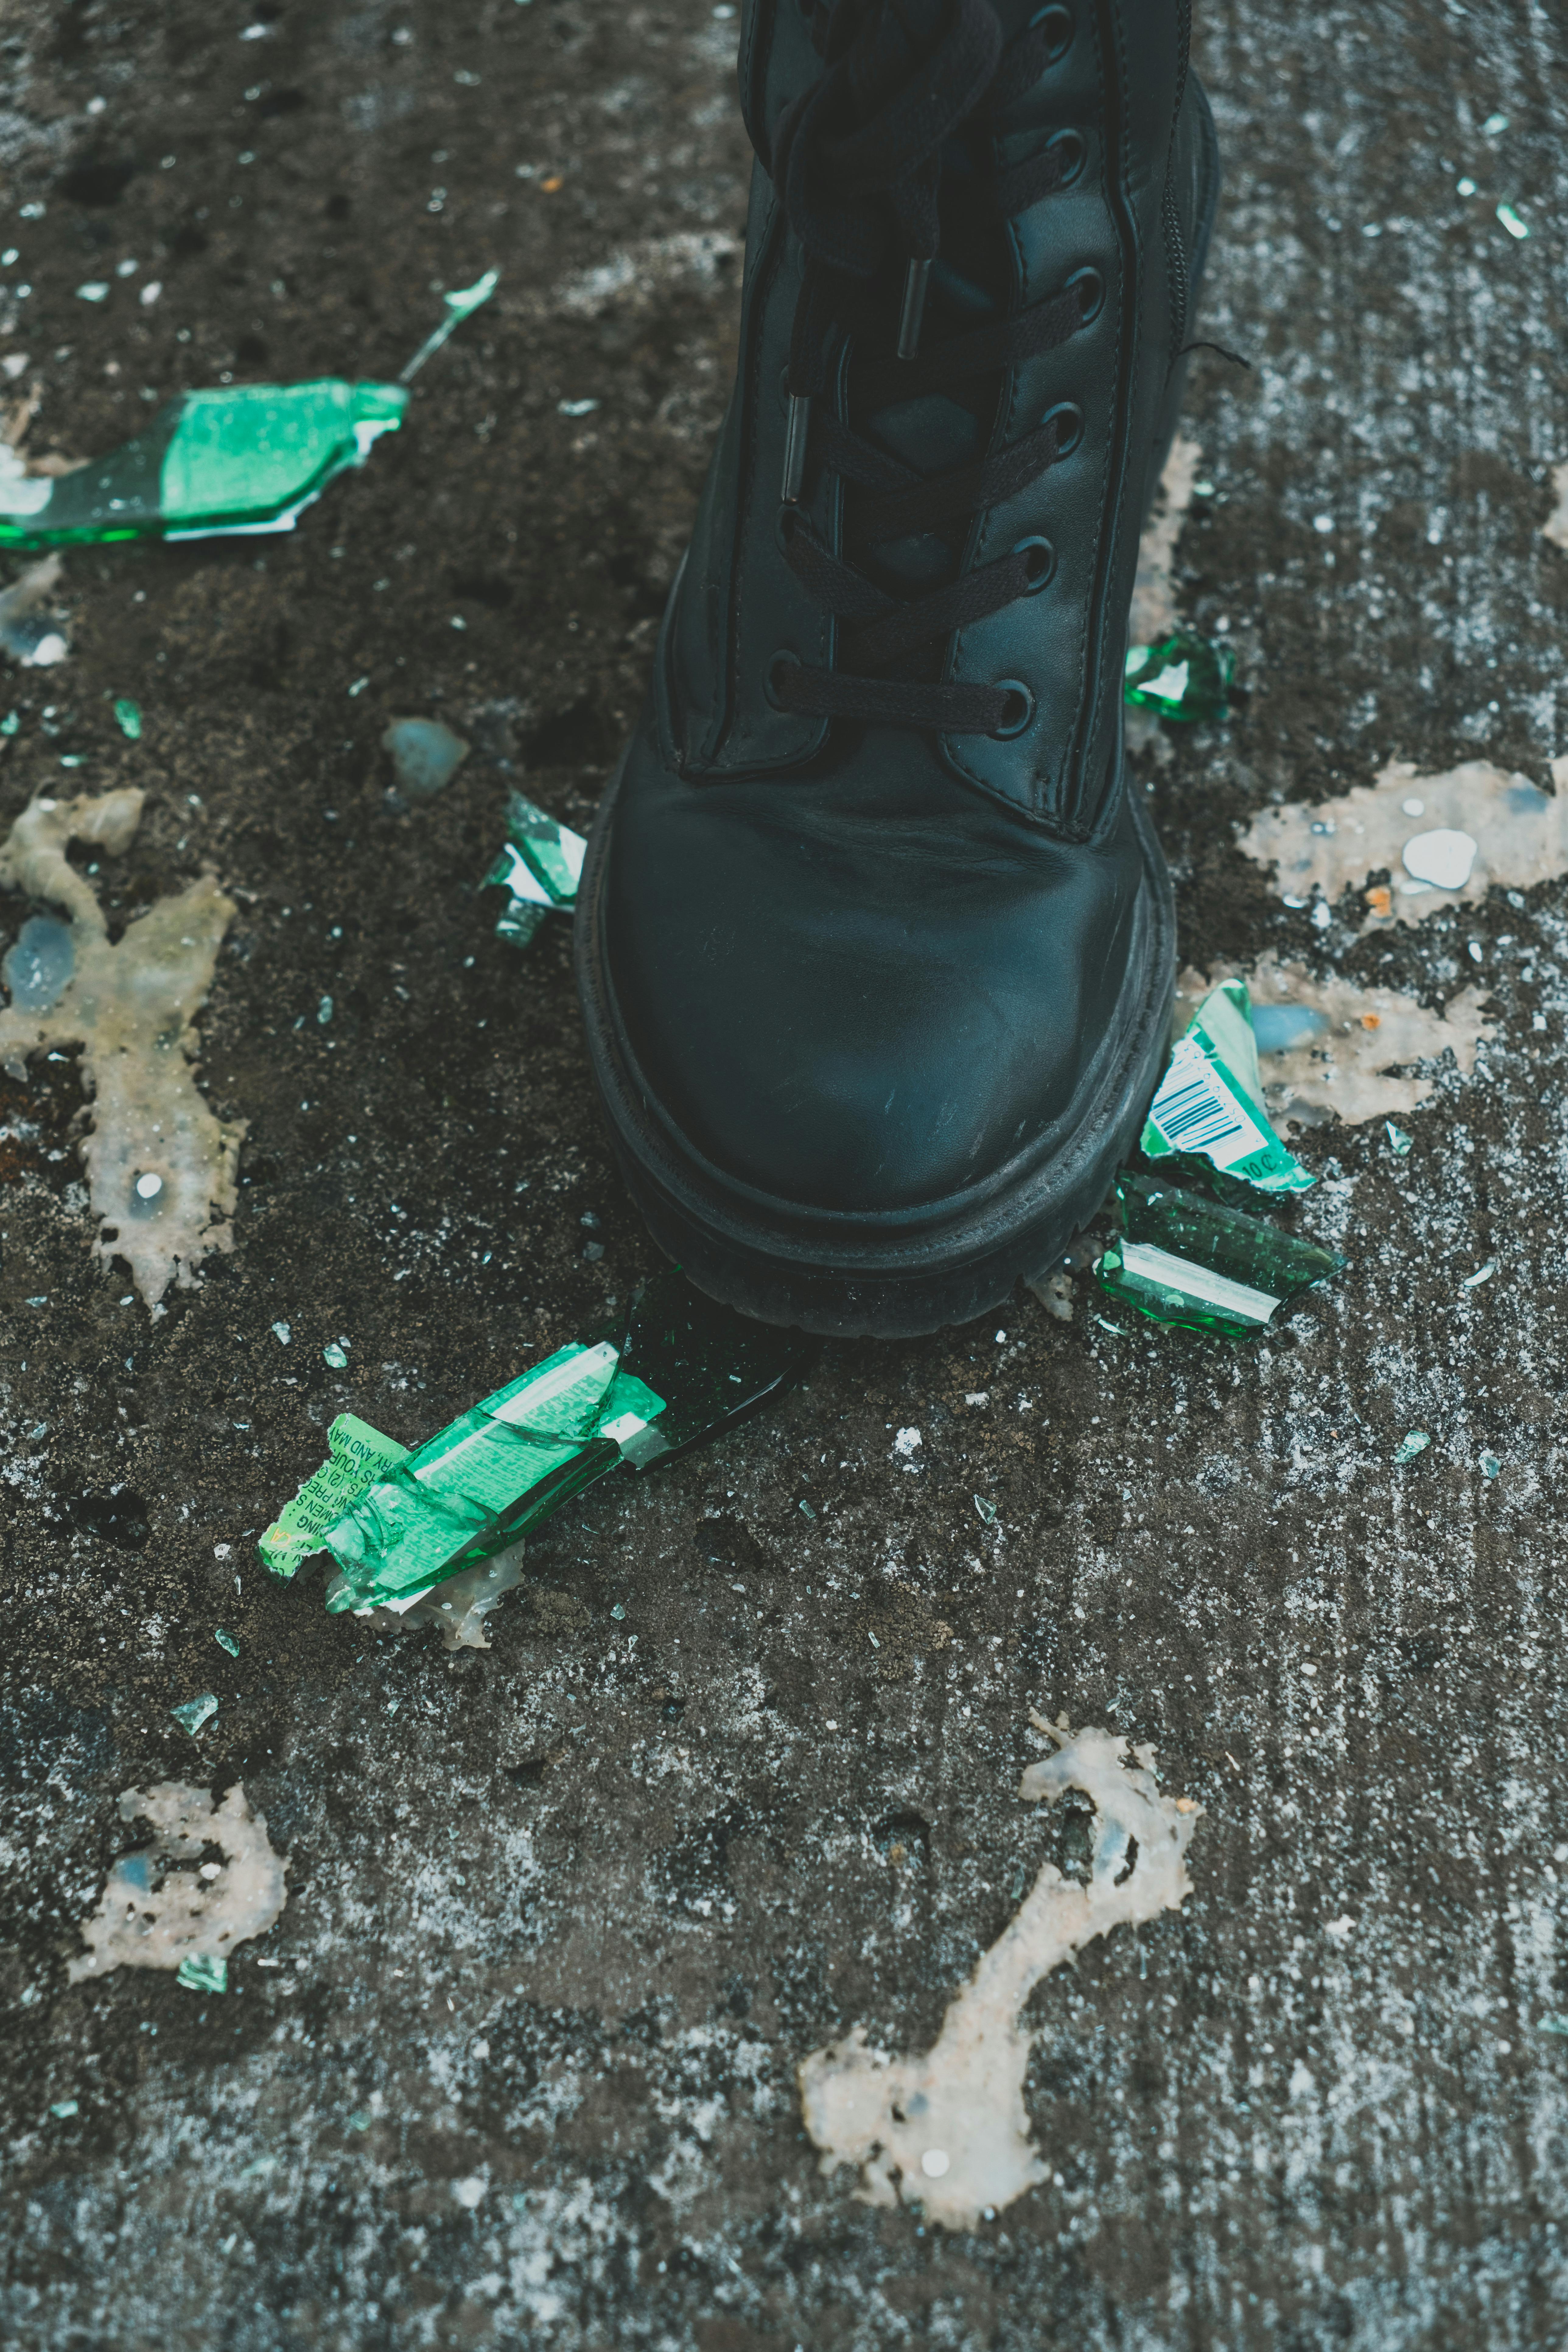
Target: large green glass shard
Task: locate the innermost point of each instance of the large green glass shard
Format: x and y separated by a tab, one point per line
1184	676
356	1454
1210	1103
247	457
675	1370
541	864
1183	1259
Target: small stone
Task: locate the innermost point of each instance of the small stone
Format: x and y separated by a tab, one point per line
1443	858
935	2162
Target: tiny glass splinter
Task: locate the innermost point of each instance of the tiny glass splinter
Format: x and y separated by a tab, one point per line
1210	1103
674	1371
247	458
202	1972
1184	676
541	864
1180	1258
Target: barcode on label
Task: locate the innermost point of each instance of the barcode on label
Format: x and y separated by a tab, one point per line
1193	1111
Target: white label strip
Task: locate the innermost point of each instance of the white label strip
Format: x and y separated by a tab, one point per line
1199	1283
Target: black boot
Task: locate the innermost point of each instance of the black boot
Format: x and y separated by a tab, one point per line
876	949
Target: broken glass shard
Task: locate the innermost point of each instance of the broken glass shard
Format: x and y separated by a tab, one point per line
460	304
249	457
1184	1259
335	1354
202	1972
64	2108
129	715
671	1371
1490	1466
1409	1447
1183	676
356	1454
195	1712
1554	2025
1210	1102
1399	1143
425	756
541	864
225	1641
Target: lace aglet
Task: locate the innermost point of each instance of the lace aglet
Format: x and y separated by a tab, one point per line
797	434
917	278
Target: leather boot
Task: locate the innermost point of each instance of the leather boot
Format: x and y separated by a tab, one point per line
875	947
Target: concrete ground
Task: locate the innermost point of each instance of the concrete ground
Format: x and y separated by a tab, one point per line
563	1917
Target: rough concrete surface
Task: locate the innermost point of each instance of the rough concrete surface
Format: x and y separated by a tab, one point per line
517	2062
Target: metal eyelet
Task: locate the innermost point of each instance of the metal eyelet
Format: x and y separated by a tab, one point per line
1060	29
1040	570
1076	158
783	659
1069	429
1090	287
1020	712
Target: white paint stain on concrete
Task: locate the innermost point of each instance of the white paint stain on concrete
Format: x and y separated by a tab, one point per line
1337	1053
1556	527
162	1905
1521	836
162	1170
950	2129
1153	597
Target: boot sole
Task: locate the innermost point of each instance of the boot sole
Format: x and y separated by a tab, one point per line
908	1272
905	1272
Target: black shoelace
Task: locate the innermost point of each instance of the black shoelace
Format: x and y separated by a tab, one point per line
859	162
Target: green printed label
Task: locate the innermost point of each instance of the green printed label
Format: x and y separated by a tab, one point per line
1210	1102
357	1457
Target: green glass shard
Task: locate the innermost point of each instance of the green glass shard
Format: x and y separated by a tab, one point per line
1183	676
356	1455
195	1712
1554	2025
202	1972
1490	1465
129	714
225	1641
1415	1442
66	2109
460	304
1399	1143
1184	1259
675	1370
247	457
1210	1102
540	863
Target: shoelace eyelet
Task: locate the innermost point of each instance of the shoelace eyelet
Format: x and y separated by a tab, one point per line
1075	157
1020	712
783	659
1090	287
1070	425
1060	28
1045	564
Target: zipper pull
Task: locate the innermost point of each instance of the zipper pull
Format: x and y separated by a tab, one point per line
917	278
797	434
